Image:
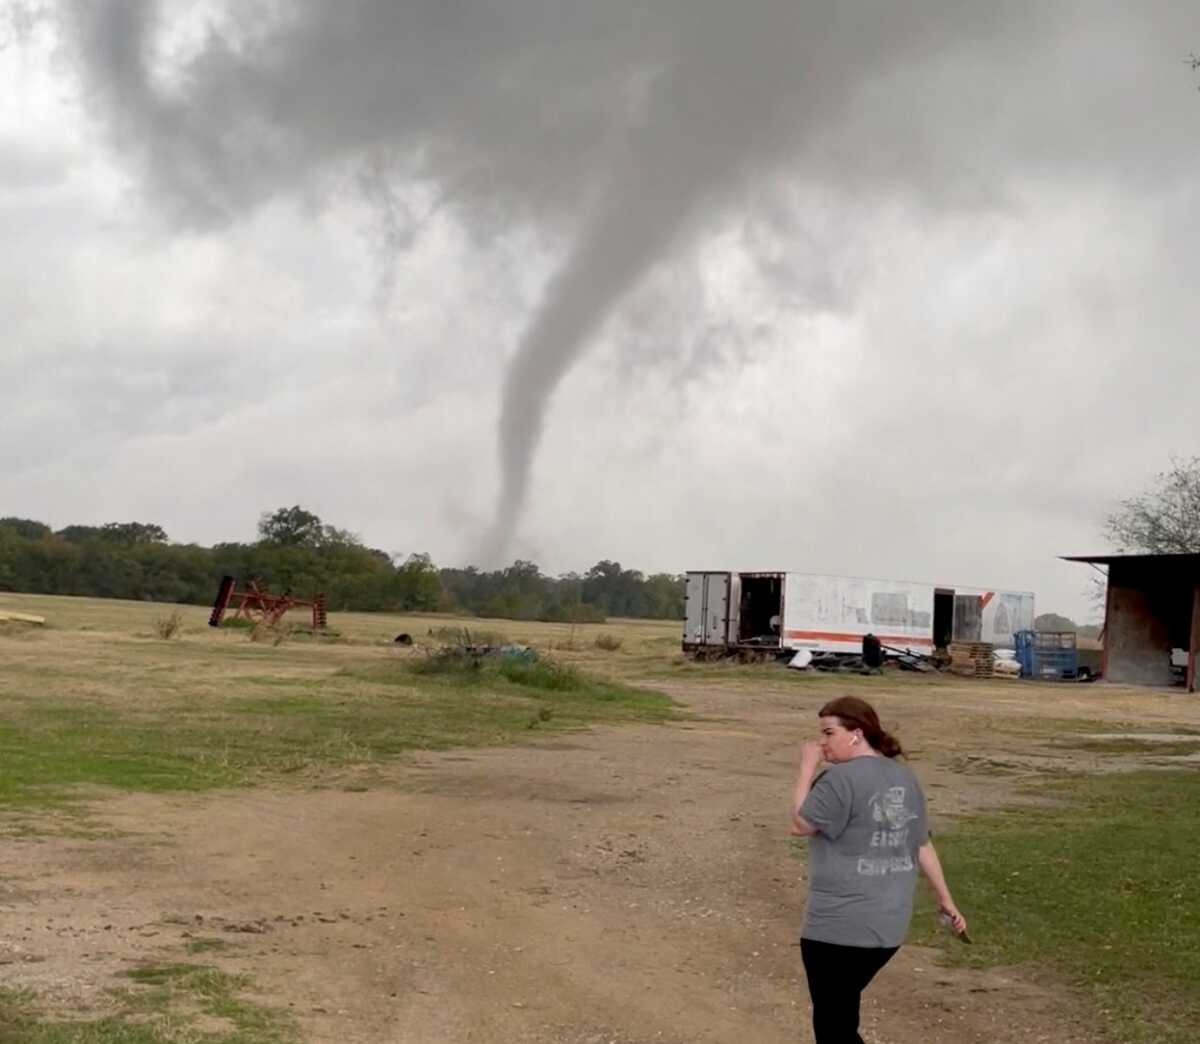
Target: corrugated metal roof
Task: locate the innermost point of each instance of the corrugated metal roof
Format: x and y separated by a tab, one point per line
1180	558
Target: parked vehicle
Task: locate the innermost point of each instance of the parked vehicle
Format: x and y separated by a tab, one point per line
832	614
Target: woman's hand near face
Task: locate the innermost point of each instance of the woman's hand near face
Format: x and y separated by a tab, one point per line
809	761
810	756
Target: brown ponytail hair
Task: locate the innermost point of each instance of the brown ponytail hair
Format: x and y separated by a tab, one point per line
854	713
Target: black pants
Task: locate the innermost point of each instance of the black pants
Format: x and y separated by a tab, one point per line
837	975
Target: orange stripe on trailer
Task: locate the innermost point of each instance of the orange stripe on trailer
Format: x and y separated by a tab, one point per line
985	598
838	636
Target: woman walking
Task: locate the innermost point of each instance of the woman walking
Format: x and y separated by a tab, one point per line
865	820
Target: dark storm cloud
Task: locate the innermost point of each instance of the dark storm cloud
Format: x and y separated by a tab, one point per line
618	130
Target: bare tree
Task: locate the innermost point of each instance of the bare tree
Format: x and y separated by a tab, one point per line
1163	519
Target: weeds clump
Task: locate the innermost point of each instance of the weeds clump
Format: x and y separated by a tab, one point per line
609	642
464	637
168	625
307	633
265	632
162	1005
462	652
543	715
281	631
542	674
449	659
488	684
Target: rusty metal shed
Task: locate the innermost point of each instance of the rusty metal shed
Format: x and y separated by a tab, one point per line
1151	608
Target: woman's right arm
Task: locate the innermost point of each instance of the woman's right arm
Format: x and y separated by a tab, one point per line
810	761
931	867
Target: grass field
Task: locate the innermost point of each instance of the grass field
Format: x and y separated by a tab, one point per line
1097	890
1089	885
96	700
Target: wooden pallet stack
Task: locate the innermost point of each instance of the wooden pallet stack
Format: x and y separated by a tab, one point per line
971	659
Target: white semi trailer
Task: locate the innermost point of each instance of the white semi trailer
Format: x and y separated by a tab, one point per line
832	614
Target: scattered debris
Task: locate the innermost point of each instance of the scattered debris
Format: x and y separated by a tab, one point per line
907	660
15	617
912	663
1005	664
802	660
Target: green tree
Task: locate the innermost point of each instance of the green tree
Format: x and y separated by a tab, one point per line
25	528
291	527
1053	622
1164	518
665	596
133	533
417	584
617	591
79	534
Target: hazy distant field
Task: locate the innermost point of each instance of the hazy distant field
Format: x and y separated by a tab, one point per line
263	838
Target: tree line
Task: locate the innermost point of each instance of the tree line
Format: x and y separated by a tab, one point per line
1058	622
297	552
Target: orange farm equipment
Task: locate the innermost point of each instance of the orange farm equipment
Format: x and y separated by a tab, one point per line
257	604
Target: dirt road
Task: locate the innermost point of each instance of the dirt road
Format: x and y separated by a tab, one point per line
615	886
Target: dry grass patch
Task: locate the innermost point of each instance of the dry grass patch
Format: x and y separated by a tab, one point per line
114	710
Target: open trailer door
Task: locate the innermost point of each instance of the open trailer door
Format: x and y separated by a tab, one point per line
759	615
968	618
707	610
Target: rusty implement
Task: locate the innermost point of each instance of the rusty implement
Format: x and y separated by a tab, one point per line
256	603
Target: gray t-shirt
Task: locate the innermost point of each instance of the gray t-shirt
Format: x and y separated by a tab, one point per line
862	866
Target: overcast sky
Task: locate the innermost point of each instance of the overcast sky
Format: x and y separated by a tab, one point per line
900	290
